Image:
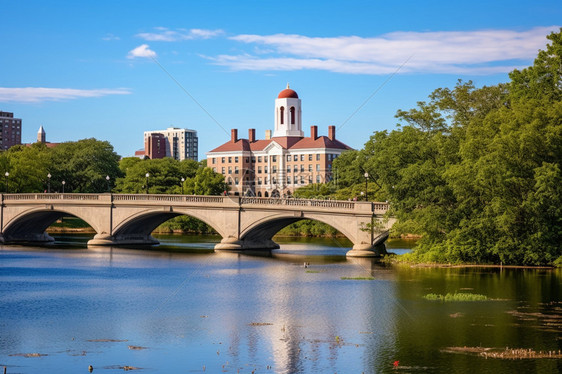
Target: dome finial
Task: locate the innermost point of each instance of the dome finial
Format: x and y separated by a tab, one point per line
288	85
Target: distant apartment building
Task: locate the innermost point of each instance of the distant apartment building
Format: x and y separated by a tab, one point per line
173	142
279	164
10	130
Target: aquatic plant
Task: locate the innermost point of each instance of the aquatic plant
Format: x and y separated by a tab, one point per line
457	296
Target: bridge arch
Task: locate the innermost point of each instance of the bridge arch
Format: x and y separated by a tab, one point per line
137	228
30	224
259	233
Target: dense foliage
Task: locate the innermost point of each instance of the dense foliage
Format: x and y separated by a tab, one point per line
83	166
475	171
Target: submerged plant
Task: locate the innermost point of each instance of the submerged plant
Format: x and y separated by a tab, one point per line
460	296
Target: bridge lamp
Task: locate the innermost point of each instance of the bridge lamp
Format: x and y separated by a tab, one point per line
182	180
49	182
147	175
366	175
63	183
107	179
7	175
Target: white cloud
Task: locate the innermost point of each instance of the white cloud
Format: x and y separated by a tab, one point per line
454	52
164	34
110	37
141	51
39	94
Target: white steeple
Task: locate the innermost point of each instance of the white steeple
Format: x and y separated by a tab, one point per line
288	114
41	135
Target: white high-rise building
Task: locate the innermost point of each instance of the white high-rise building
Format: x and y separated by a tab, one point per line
181	144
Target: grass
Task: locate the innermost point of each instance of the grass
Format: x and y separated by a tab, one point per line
460	296
358	278
313	271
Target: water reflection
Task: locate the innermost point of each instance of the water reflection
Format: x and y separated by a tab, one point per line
229	312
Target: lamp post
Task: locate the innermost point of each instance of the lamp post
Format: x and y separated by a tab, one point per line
7	175
182	180
49	183
147	175
107	179
63	183
366	175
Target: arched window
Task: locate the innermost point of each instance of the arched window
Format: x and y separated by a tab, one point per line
266	194
259	194
292	111
282	115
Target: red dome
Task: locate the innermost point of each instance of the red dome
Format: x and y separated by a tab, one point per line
287	93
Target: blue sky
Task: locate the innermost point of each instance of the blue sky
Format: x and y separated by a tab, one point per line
100	68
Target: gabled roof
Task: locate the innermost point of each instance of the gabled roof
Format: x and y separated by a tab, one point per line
286	142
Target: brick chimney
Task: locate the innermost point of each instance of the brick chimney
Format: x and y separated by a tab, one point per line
332	132
267	134
252	135
314	132
234	135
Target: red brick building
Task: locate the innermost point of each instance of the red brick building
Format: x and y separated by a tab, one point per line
278	164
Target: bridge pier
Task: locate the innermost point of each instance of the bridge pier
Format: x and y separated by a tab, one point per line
109	240
235	245
377	249
39	238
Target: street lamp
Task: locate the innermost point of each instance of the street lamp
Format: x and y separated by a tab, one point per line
147	175
7	175
182	180
107	179
366	175
63	183
49	183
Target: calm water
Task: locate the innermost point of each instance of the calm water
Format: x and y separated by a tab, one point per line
185	309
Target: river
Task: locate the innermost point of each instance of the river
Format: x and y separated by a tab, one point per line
183	308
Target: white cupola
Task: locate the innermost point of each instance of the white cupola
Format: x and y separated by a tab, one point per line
288	114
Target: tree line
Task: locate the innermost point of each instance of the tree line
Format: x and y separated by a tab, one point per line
92	166
475	171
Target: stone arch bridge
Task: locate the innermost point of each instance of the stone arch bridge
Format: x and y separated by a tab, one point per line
245	223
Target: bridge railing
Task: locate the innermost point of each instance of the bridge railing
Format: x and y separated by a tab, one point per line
170	198
377	207
51	196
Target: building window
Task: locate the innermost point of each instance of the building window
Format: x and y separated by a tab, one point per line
236	181
230	159
259	181
253	159
236	170
318	179
259	158
259	169
265	169
247	160
292	111
274	169
302	157
310	157
229	170
296	158
281	115
235	159
296	168
222	170
309	179
274	180
223	159
318	157
302	167
288	168
274	158
288	157
288	180
296	180
214	159
310	167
